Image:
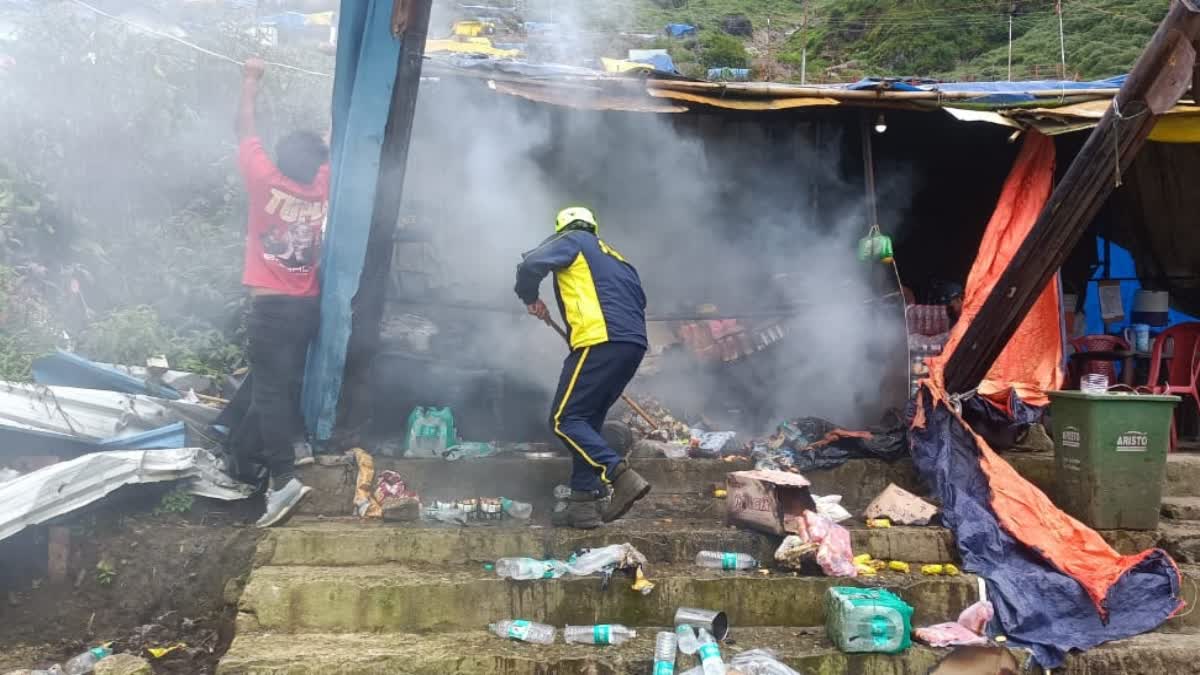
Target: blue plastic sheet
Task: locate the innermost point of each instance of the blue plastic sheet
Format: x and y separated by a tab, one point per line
678	30
989	92
1037	606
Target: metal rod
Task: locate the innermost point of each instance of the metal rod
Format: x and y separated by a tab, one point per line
869	171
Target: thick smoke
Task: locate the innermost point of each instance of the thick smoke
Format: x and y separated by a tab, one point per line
746	214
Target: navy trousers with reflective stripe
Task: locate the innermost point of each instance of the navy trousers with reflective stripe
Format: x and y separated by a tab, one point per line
591	382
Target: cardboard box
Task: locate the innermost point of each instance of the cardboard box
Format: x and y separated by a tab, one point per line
768	501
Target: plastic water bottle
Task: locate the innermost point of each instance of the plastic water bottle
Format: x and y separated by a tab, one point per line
725	561
686	637
525	631
518	510
710	655
597	560
86	662
524	569
664	653
602	634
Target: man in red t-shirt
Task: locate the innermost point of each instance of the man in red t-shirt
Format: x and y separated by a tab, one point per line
288	200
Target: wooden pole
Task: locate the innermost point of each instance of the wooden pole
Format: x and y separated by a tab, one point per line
775	90
1159	78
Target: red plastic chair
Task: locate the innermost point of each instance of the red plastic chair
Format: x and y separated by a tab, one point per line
1182	343
1096	343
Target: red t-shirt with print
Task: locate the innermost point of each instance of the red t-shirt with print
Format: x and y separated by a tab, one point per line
285	226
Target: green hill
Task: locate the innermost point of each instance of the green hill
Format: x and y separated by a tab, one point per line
847	39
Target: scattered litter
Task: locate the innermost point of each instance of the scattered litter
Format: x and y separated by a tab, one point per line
711	443
878	523
616	556
515	509
600	634
967	631
901	507
665	644
685	636
396	502
667	427
430	432
899	566
860	620
710	654
159	652
91	414
604	561
809	443
760	662
67	486
714	622
86	662
831	507
822	540
470	450
525	569
725	561
524	631
720	493
976	660
946	569
768	501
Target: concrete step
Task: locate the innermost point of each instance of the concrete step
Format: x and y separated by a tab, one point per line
351	542
1181	508
478	653
858	481
410	599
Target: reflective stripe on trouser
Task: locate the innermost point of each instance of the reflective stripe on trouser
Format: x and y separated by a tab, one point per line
591	382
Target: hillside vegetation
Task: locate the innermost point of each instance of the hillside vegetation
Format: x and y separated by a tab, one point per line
847	39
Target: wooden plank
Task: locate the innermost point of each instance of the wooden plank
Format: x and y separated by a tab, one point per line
1092	176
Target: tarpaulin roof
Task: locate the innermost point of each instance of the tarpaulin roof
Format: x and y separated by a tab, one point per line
677	30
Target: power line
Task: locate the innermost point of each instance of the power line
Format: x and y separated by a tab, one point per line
203	50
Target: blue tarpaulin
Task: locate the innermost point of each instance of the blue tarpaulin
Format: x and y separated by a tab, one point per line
678	30
1037	605
989	92
661	62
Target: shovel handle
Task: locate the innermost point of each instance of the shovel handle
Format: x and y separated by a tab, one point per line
628	401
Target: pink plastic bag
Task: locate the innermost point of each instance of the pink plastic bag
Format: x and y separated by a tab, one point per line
834	553
967	631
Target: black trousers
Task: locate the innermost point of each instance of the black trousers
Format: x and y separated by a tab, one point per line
592	380
280	330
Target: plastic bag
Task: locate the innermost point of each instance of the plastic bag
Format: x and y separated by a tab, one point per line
616	556
967	631
835	555
760	662
831	507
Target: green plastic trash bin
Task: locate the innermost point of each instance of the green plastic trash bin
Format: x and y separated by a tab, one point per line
1110	456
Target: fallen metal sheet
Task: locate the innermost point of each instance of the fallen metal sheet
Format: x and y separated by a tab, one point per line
66	369
170	436
61	488
91	414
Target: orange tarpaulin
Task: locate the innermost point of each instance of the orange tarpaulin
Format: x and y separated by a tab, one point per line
1030	364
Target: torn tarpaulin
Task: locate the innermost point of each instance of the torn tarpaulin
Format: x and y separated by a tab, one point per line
809	443
62	488
1038	603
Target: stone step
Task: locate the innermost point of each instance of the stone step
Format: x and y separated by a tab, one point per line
350	542
409	599
479	653
858	481
1181	508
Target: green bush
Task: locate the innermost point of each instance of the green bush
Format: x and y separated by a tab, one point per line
718	50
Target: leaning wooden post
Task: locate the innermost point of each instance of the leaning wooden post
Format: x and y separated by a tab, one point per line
1159	78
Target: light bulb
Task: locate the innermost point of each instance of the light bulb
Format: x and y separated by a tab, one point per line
880	124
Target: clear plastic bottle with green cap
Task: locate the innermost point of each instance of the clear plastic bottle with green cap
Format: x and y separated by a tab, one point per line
718	560
710	655
600	634
524	631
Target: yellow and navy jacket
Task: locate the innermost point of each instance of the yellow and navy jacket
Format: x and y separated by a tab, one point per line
599	293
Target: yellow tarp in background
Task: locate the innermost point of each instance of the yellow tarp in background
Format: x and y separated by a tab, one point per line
482	46
623	66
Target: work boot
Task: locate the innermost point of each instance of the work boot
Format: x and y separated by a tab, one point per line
582	512
628	488
281	502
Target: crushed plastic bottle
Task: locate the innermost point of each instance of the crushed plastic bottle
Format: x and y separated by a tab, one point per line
86	662
664	653
606	557
524	631
562	492
725	561
760	662
518	510
601	634
524	569
710	655
686	637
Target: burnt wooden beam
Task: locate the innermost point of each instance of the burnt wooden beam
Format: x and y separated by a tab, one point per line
1160	77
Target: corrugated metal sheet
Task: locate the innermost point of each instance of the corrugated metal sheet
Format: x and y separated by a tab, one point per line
67	486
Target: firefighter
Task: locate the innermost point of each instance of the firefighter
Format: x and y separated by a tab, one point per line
600	297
